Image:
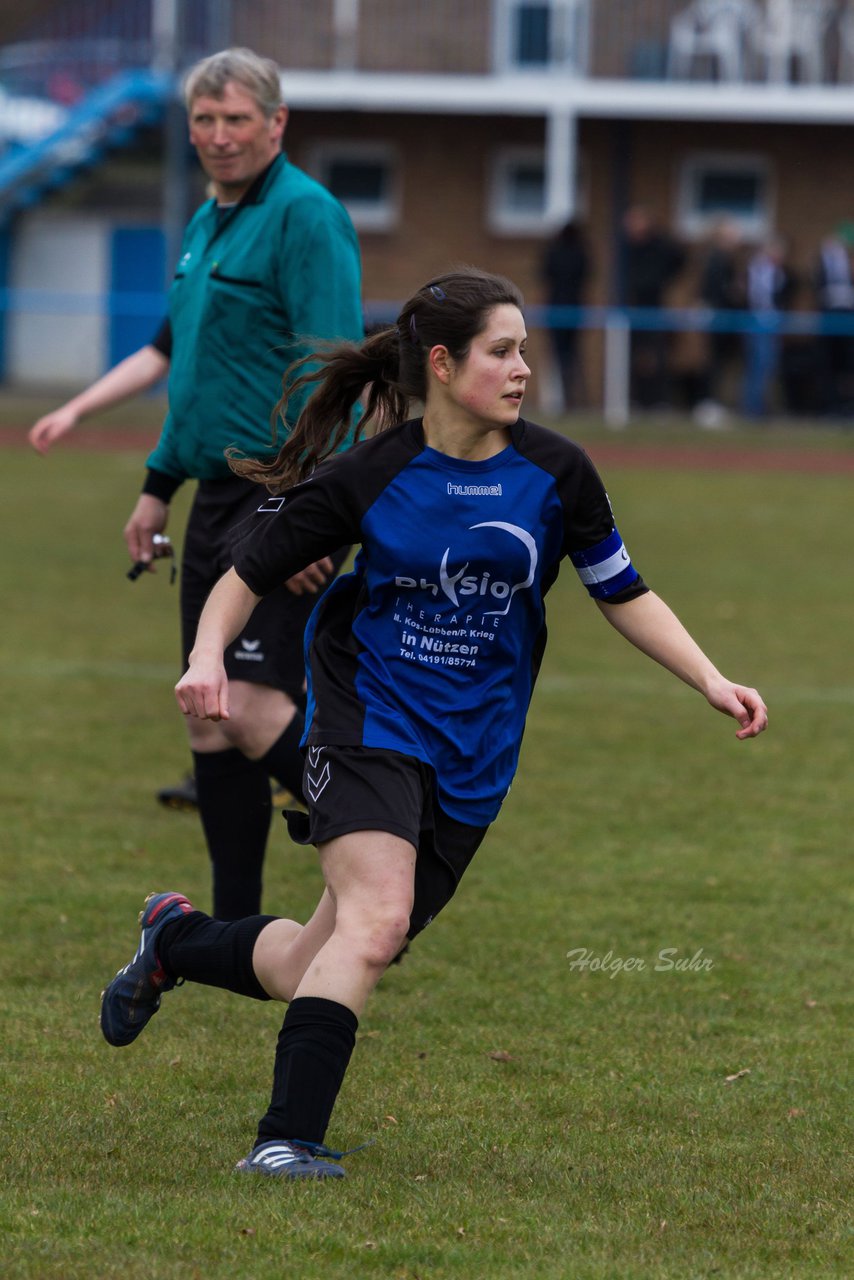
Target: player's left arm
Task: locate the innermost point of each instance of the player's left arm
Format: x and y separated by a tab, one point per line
651	626
203	689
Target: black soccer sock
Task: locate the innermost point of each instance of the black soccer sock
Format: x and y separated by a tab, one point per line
312	1054
284	760
235	807
217	953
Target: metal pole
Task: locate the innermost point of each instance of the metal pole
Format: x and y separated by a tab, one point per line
561	148
618	336
345	31
219	24
167	55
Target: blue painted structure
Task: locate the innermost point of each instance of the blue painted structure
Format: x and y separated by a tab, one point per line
137	261
106	118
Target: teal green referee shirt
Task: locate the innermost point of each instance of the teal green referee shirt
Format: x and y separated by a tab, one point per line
255	287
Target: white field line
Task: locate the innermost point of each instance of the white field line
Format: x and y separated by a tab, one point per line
82	669
656	686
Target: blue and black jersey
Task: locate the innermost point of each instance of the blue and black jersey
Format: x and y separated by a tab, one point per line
432	644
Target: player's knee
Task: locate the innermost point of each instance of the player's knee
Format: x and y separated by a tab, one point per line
382	937
238	732
257	715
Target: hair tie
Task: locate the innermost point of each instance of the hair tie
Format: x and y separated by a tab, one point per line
438	294
413	332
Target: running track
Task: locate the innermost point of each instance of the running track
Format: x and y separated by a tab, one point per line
619	453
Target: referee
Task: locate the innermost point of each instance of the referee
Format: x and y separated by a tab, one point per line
268	265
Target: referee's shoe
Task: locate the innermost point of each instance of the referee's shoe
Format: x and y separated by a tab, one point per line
184	797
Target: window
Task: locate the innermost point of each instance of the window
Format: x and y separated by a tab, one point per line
531	41
734	186
518	190
364	177
533	35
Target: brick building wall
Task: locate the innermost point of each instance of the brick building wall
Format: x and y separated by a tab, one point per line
445	174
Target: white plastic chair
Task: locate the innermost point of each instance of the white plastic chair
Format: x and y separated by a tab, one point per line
717	29
846	48
791	35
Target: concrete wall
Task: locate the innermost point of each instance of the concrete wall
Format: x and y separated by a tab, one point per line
67	254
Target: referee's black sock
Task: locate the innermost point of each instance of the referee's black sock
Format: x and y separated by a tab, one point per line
312	1054
235	808
284	760
217	953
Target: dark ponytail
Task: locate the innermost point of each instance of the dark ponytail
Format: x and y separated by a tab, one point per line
326	421
392	364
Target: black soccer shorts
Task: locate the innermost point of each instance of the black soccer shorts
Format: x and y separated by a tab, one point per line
370	789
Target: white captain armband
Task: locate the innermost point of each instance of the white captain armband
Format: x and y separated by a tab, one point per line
606	568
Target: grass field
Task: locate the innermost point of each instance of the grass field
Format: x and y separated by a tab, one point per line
532	1118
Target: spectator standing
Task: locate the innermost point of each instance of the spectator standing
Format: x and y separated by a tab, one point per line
652	259
270	258
722	291
770	285
565	271
833	283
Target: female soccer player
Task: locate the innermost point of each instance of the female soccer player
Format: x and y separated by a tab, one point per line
421	664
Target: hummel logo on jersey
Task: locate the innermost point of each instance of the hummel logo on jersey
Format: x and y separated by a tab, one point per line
317	781
474	490
272	504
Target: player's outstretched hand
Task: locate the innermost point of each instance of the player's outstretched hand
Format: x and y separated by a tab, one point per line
203	691
743	704
51	428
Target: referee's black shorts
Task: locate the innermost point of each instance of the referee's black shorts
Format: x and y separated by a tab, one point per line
370	789
270	650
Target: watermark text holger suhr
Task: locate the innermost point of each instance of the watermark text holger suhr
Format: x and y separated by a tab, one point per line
666	960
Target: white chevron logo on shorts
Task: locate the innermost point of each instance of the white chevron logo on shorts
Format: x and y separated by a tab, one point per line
250	645
316	783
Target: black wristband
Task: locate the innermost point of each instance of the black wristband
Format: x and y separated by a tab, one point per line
161	485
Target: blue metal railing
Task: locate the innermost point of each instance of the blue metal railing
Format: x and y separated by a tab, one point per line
378	311
692	320
616	324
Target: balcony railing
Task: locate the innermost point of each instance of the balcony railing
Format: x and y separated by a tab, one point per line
75	45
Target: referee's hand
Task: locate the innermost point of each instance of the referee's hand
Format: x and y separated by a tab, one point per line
52	427
149	516
313	579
